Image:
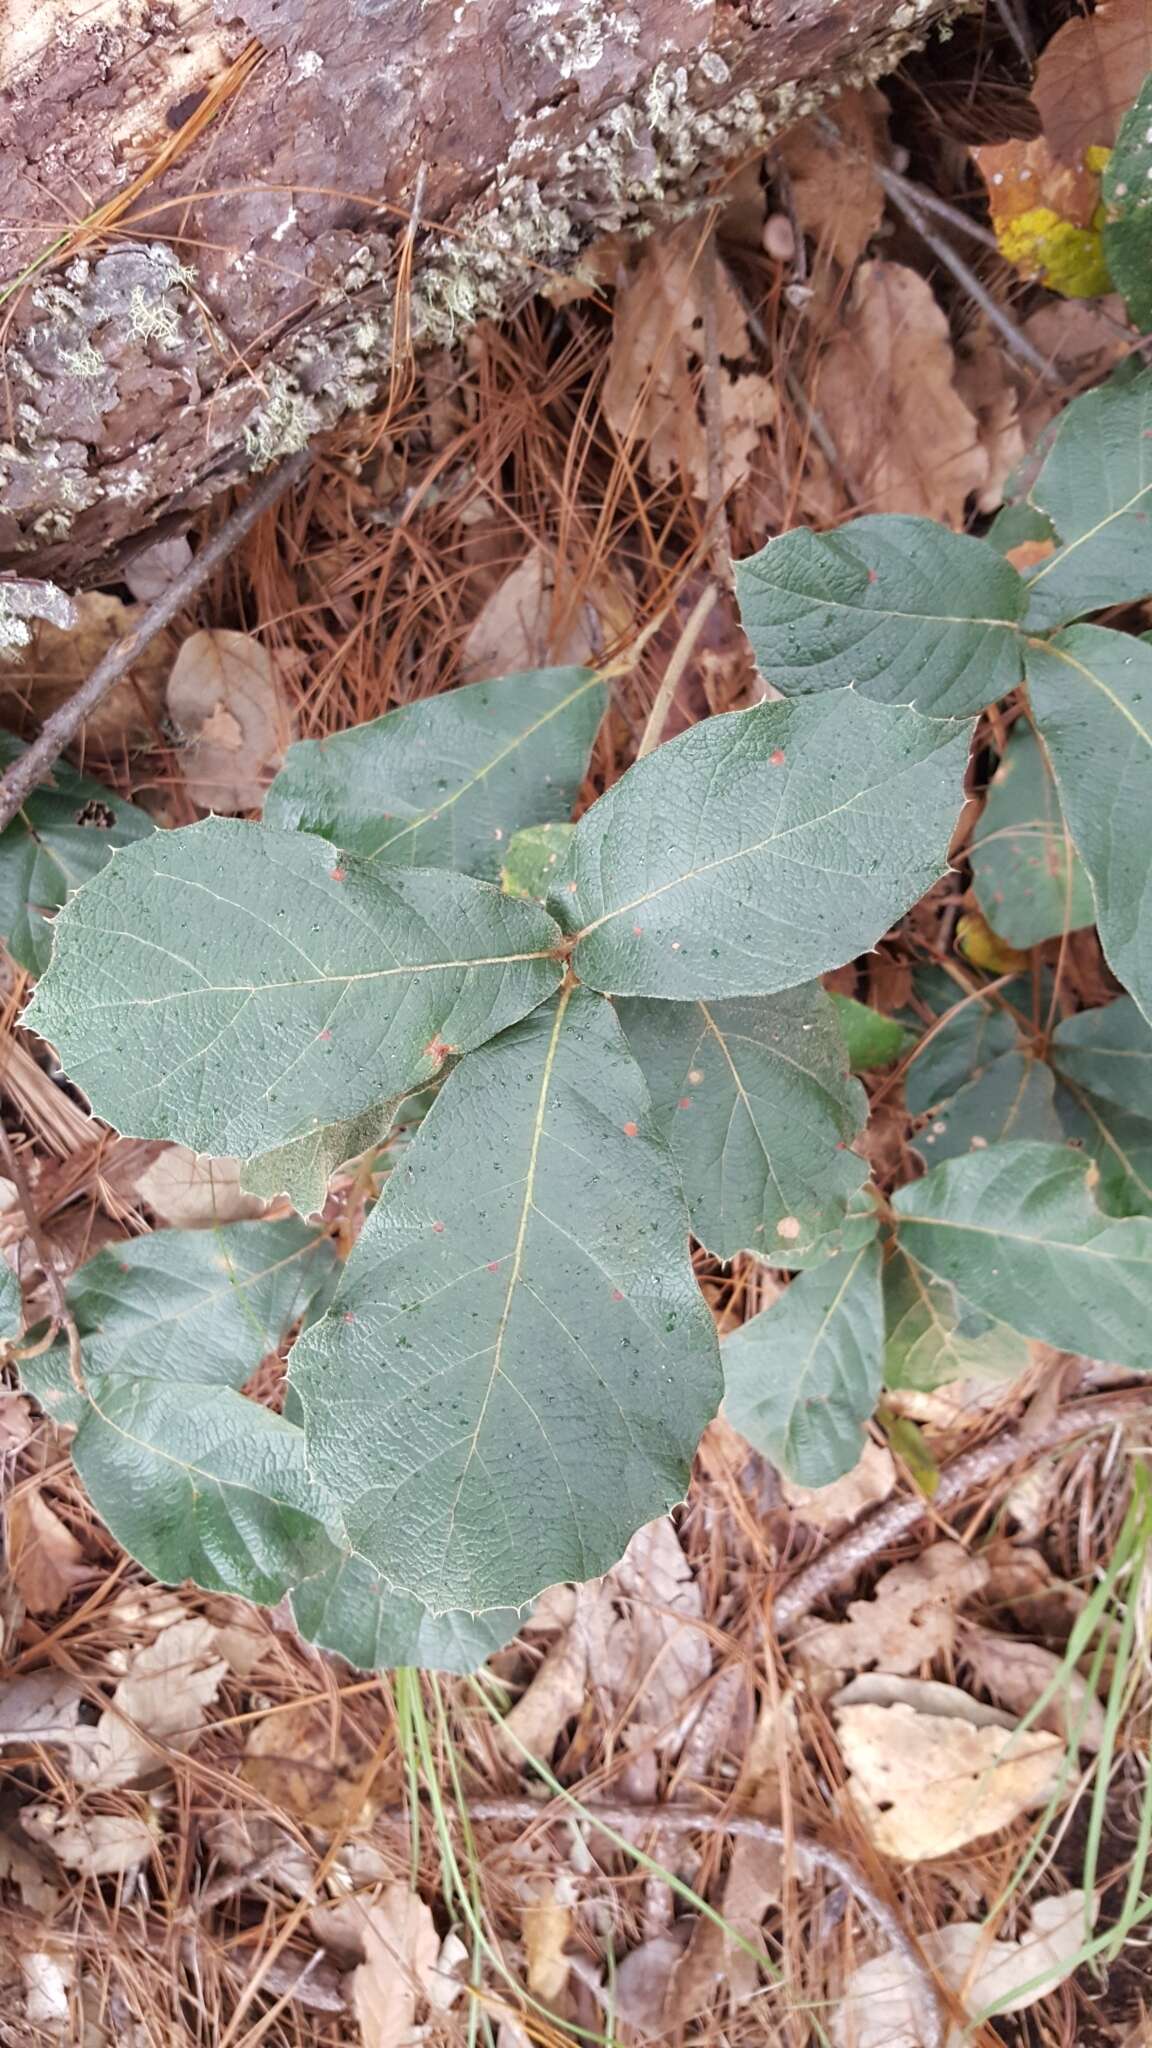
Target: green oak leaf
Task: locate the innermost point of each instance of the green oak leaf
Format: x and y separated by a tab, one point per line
1012	1098
1108	1051
870	1039
349	1608
900	608
802	1377
1028	879
1126	188
533	857
757	850
929	1341
62	836
753	1098
1095	485
518	1363
1091	693
447	781
194	1480
236	989
1016	1232
11	1304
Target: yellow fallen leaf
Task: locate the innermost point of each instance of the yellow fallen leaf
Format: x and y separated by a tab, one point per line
1047	215
926	1783
979	944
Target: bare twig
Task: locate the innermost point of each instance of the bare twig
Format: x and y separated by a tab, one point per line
686	1820
921	195
973	1470
677	663
65	723
61	1314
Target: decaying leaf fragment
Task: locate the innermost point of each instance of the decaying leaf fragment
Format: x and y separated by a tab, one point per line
910	1619
225	696
932	1770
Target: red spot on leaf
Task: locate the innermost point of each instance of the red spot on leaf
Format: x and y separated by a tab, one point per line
337	874
630	1130
348	1316
324	1036
685	1102
438	1049
872	576
637	931
616	1294
777	757
572	888
493	1265
439	1229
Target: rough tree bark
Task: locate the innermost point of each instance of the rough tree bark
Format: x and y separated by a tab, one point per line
245	299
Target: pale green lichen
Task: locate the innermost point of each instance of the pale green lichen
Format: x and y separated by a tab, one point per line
284	424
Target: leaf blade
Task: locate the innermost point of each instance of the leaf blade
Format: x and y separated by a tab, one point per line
62	835
451	1413
447	781
802	1377
1091	692
753	1098
804	870
862	606
1015	1232
1028	879
1095	485
248	1020
349	1609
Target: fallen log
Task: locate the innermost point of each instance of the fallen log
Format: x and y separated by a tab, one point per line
220	229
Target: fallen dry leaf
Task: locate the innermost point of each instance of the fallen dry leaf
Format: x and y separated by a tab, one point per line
1083	339
1043	213
525	623
546	1922
884	386
840	204
401	1949
32	1875
929	1778
1016	1673
48	1978
1089	74
557	1691
642	1982
155	569
98	1844
883	2005
824	1507
192	1191
984	382
46	1561
225	697
648	1648
650	390
58	660
160	1700
292	1760
910	1618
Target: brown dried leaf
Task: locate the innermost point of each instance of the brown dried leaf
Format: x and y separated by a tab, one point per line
910	1619
401	1947
58	660
1089	75
1016	1673
46	1561
648	1648
1083	339
98	1844
883	2005
557	1691
839	203
642	1984
825	1507
224	694
985	384
292	1760
929	1778
192	1191
885	388
155	569
650	390
526	622
165	1692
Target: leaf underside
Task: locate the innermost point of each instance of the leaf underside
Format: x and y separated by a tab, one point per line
518	1364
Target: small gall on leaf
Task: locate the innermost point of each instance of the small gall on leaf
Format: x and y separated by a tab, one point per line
776	757
631	1130
337	874
695	1075
438	1227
